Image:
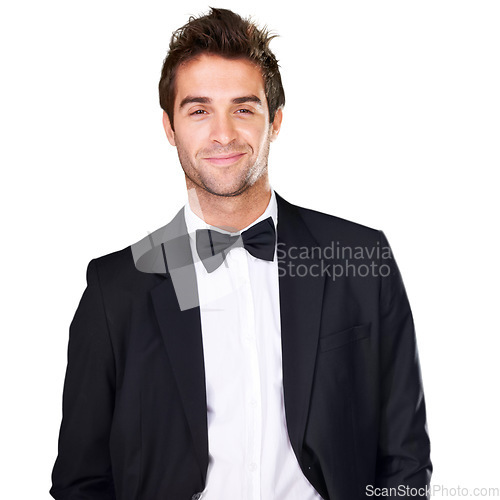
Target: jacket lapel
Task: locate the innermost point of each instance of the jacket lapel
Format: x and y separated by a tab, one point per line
181	332
167	252
301	298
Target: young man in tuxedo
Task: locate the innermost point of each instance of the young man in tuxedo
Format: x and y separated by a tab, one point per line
249	349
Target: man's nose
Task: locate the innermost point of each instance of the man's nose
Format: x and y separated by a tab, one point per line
222	129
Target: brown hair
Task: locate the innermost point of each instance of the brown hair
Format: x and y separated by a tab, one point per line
221	32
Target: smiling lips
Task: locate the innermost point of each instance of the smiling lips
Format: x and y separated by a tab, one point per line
224	160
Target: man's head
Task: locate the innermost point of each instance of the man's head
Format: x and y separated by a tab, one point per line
222	96
226	34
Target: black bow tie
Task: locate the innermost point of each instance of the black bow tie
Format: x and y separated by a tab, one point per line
259	241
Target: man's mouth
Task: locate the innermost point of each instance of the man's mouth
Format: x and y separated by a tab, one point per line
224	160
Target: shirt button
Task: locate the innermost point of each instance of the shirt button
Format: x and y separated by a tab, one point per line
253	402
252	467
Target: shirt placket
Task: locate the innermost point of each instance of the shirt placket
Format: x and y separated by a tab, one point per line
253	411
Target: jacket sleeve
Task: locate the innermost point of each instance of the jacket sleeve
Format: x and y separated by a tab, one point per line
83	468
404	448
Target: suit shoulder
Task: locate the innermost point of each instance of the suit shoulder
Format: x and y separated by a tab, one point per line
114	264
326	227
145	257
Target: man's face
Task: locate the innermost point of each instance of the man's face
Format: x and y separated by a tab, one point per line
221	121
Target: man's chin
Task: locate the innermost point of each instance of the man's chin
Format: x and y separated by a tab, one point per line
226	193
220	189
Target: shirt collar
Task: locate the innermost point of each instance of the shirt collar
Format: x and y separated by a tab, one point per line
193	222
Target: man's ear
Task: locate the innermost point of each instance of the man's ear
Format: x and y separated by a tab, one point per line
276	125
168	129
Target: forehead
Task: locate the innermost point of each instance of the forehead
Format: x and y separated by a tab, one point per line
218	78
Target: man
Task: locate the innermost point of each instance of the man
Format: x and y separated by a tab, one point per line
249	348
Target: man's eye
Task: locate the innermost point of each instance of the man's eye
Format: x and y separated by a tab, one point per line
198	112
244	111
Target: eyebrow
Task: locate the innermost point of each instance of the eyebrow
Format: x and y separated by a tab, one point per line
207	100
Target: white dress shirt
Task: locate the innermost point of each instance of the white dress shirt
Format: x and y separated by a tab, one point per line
250	455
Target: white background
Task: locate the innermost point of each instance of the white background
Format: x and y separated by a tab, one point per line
392	120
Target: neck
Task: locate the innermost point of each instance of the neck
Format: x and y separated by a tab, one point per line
230	213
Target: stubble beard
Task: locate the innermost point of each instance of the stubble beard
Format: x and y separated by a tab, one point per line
247	176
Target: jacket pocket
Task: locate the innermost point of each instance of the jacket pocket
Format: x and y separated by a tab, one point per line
339	339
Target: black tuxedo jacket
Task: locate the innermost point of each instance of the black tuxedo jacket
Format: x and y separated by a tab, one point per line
134	406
